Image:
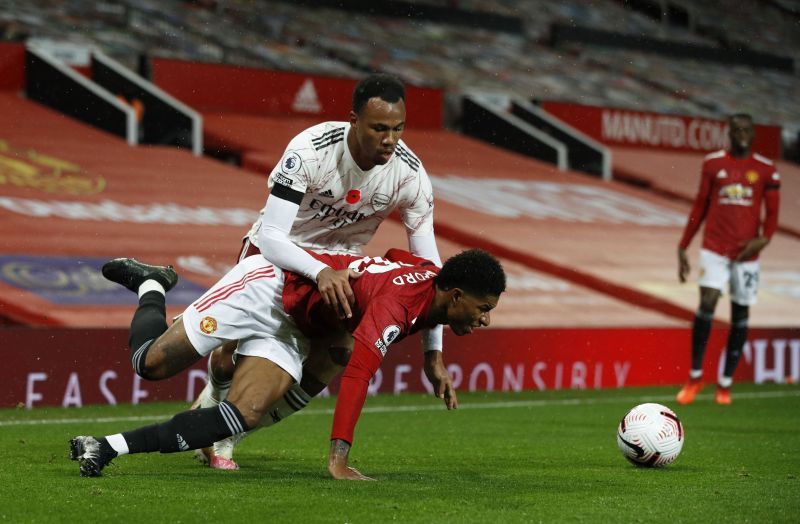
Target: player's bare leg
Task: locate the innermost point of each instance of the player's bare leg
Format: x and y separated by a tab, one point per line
169	354
327	358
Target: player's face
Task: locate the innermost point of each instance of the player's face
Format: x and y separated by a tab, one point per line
741	134
466	312
378	129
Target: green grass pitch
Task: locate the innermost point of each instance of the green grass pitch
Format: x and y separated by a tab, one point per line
501	457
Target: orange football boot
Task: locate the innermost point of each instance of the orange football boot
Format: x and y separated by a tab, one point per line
689	391
723	396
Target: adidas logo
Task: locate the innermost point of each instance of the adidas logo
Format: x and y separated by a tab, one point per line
306	100
182	443
327	193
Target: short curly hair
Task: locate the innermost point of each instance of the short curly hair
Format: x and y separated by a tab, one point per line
475	271
386	87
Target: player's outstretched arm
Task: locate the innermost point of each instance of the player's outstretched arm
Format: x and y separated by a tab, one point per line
337	462
440	379
363	364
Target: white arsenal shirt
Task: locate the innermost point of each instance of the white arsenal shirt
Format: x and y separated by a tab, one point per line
344	205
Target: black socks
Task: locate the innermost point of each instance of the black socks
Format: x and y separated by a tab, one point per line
700	331
149	322
193	429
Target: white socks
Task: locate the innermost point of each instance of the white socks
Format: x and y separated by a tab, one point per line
118	444
151	285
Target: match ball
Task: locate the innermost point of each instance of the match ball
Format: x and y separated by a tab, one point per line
650	435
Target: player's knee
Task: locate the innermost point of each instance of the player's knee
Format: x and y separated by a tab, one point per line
704	314
739	314
151	369
708	305
161	361
708	299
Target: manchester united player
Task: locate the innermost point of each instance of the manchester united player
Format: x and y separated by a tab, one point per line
273	314
336	182
733	187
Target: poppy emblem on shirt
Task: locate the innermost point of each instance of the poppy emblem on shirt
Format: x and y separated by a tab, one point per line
353	196
752	177
208	325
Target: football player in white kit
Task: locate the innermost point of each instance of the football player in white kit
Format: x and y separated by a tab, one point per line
334	185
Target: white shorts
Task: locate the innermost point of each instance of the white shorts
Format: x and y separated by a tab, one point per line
247	305
742	277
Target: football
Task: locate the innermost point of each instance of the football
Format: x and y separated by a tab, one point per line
650	435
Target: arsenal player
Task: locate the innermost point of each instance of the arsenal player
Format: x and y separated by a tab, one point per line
734	186
274	315
335	184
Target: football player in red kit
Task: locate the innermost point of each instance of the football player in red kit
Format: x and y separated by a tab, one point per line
274	315
734	186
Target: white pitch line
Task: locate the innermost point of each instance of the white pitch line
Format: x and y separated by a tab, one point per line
432	407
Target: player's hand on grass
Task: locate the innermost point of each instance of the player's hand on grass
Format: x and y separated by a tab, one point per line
441	380
752	248
683	265
334	286
337	462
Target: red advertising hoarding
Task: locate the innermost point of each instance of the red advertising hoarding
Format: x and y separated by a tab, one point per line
12	66
75	367
234	89
624	127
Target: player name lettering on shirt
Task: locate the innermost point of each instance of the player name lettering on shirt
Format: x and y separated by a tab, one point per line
412	278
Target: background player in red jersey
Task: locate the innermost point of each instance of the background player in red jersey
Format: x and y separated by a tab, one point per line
733	186
274	314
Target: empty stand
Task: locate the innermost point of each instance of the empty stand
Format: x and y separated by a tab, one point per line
73	196
319	40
